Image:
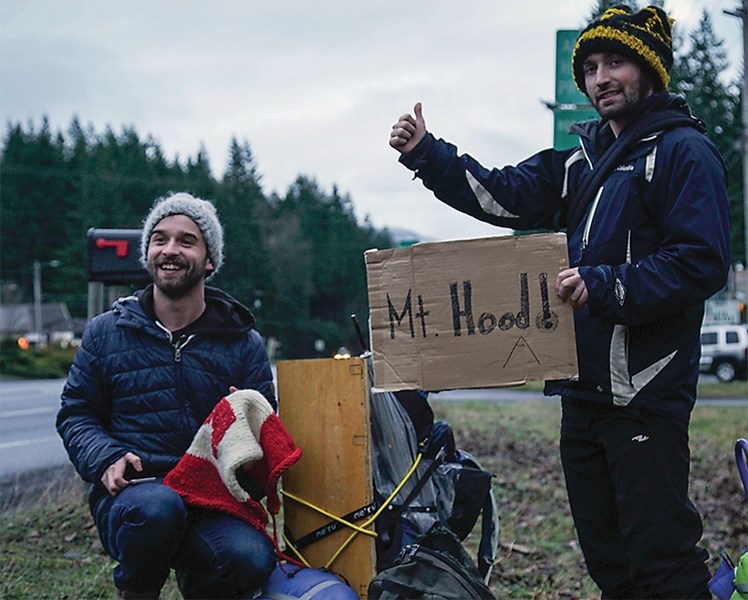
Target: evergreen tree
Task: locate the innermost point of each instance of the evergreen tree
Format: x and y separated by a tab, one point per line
290	255
199	178
118	178
242	208
68	283
304	215
329	267
698	74
55	189
34	190
296	261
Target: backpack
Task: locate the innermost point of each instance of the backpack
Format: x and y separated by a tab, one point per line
451	488
434	568
424	478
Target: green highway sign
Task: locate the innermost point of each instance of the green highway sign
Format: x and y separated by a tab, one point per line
566	89
563	119
571	105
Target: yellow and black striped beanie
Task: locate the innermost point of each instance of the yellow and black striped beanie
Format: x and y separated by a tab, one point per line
644	36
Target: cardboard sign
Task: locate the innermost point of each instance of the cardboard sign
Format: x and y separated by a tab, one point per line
470	313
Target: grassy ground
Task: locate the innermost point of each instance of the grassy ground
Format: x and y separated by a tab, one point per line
715	389
49	545
539	555
706	389
50	549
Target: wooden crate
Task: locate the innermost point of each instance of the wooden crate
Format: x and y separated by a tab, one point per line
324	404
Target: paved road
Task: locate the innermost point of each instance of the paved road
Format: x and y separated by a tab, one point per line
490	395
28	440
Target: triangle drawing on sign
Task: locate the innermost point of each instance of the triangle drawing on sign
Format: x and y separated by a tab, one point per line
521	341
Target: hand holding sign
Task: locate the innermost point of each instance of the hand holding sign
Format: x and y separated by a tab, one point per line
571	287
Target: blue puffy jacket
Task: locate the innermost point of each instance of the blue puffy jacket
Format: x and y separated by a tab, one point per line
651	247
132	388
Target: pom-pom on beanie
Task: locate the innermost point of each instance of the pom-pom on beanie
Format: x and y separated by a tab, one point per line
202	212
645	37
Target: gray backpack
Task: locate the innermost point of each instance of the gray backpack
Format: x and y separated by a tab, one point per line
437	568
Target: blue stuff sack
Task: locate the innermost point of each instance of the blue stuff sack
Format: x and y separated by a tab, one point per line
721	584
289	582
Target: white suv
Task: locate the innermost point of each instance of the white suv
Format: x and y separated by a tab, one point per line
724	351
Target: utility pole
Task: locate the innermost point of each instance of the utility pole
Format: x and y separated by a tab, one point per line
38	325
38	300
742	13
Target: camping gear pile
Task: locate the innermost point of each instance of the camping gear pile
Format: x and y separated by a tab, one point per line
448	485
428	497
442	493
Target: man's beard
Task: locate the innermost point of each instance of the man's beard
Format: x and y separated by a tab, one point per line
177	287
633	96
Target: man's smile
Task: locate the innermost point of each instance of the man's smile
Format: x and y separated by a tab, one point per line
171	266
608	94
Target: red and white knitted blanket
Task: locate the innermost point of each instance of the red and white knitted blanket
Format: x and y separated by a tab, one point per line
242	432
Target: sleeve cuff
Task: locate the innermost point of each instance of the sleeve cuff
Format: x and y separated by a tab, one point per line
415	159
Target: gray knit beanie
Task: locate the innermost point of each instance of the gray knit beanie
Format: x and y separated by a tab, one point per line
202	212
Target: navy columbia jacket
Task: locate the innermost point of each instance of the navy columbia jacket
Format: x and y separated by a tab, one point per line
651	247
132	388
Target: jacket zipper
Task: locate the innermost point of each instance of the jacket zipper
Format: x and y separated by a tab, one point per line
178	346
181	343
628	262
588	224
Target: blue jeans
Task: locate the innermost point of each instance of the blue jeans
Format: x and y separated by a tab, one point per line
148	530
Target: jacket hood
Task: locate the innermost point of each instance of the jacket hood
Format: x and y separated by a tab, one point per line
595	134
224	312
224	315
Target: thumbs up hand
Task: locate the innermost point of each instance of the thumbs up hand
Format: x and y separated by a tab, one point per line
408	130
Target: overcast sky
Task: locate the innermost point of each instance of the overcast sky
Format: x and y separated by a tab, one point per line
314	87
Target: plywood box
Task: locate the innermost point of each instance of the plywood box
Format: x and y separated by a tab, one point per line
324	404
470	313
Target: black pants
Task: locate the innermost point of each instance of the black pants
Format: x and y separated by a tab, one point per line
627	478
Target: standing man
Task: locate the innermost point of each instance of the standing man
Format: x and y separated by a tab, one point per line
643	200
146	376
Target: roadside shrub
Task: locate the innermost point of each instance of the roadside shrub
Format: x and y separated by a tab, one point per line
50	362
